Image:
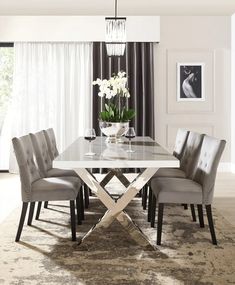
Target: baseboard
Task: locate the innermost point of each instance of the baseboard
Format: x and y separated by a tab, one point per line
225	167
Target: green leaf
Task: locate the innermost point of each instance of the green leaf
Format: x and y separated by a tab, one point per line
113	114
104	116
107	107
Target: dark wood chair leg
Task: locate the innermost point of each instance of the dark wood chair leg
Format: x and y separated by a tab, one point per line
38	210
149	204
86	196
73	223
159	223
22	218
79	219
200	216
185	206
144	197
46	204
31	211
211	224
142	193
153	210
193	212
81	205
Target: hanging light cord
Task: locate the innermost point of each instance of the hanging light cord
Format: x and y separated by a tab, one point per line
115	8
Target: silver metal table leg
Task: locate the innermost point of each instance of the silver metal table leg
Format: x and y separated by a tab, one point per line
115	209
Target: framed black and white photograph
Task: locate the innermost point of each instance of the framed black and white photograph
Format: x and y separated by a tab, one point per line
190	82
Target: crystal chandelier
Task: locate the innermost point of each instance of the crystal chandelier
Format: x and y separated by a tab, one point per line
115	36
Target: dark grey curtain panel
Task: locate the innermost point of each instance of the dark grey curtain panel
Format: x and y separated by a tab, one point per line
138	63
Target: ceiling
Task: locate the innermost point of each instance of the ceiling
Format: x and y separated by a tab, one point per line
126	7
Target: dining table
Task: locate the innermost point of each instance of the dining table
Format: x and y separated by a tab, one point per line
147	156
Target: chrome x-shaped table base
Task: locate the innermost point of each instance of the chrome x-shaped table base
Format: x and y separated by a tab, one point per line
115	208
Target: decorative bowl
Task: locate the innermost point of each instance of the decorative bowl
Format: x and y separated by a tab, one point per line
114	130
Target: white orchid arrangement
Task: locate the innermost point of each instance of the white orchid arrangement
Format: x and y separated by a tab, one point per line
115	91
115	85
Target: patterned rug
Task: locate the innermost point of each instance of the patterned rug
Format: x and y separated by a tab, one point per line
46	255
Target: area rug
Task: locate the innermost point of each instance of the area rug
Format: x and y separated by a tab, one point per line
46	255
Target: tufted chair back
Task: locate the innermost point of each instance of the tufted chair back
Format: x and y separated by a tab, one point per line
26	161
206	168
51	143
41	151
180	142
191	153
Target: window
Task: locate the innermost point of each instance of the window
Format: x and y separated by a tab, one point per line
6	78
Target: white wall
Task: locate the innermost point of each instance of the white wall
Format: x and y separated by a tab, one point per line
74	28
183	38
233	97
194	39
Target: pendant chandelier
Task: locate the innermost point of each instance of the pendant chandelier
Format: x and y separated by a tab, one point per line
115	36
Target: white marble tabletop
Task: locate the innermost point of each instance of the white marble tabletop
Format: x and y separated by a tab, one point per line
148	153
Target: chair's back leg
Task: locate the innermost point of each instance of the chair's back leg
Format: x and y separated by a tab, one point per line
86	196
193	212
200	215
73	223
185	206
81	204
79	215
149	204
153	210
144	196
38	210
159	222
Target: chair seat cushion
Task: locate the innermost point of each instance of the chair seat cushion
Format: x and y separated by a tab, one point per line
170	172
57	172
176	190
55	189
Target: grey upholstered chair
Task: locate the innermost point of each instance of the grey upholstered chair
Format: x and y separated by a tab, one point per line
188	159
197	189
35	187
53	153
191	153
44	162
51	143
180	141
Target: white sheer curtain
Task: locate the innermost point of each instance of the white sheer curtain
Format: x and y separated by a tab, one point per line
52	88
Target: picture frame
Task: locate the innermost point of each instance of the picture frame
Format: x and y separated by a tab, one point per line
190	81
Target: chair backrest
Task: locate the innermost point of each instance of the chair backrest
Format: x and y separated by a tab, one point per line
41	152
26	161
206	168
191	153
51	143
180	142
